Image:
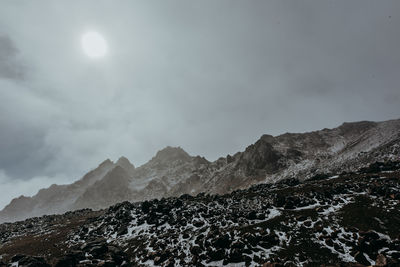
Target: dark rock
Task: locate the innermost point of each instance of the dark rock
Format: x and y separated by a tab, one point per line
178	203
195	250
110	263
170	263
370	235
360	258
301	218
185	235
186	197
98	250
29	261
395	255
146	205
163	256
236	255
238	244
270	240
252	215
122	230
152	219
329	242
198	223
66	261
17	257
279	201
307	223
222	241
289	205
216	255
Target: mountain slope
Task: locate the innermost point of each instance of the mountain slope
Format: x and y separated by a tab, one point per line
173	172
349	219
55	199
111	189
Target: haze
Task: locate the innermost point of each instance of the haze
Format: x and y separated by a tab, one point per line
209	76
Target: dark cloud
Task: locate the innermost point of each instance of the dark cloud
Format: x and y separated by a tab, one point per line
210	76
10	66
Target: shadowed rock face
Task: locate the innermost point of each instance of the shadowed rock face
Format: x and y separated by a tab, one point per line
260	156
111	189
343	219
173	172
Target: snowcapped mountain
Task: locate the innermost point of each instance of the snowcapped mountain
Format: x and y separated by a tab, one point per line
173	172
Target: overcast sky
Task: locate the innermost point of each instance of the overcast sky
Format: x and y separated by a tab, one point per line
209	76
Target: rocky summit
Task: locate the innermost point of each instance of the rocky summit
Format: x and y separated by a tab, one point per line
331	219
173	172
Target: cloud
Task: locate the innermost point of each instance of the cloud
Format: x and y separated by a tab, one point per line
11	66
209	76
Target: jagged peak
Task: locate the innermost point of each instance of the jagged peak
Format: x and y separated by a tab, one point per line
356	127
107	162
122	158
125	163
171	153
267	138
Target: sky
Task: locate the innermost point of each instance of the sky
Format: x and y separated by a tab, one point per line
208	76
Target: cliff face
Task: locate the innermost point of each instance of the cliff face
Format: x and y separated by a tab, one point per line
173	172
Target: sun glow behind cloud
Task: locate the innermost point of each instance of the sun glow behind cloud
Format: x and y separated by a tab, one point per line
94	45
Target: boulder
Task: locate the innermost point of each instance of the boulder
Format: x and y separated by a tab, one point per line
360	258
380	260
222	241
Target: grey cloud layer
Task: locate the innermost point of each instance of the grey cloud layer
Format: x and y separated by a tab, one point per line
10	68
210	76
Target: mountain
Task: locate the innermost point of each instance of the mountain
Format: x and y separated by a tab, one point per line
343	219
173	172
55	199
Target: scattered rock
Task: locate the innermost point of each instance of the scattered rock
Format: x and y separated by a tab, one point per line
360	258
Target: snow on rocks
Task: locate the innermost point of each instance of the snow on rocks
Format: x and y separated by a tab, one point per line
333	220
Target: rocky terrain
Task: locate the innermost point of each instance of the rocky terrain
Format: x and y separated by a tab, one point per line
342	219
173	172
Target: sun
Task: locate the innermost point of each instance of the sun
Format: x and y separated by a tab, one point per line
94	45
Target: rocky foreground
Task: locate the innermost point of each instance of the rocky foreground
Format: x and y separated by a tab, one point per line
350	219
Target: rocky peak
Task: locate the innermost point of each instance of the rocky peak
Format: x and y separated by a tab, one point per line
112	188
175	172
170	154
349	128
260	155
267	138
126	164
106	163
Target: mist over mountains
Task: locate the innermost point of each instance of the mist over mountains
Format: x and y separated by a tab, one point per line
173	172
199	133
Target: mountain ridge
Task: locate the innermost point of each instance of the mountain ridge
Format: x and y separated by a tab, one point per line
173	172
341	219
